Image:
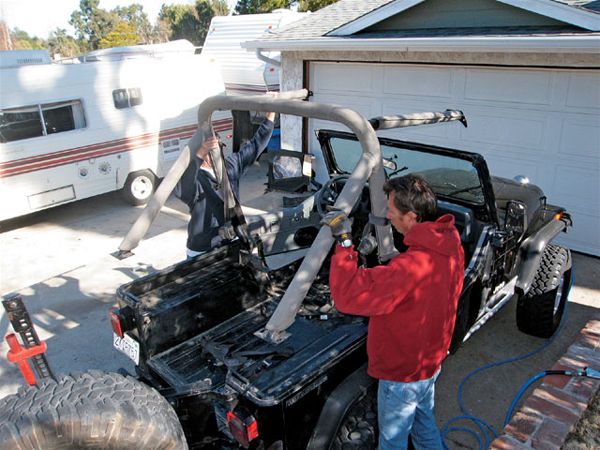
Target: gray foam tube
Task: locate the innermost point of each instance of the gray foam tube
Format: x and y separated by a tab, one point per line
368	167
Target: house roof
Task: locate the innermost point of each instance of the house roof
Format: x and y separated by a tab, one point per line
328	19
347	18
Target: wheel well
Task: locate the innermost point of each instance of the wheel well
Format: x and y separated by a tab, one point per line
337	405
468	309
135	173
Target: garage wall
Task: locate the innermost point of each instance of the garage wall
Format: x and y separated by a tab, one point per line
543	123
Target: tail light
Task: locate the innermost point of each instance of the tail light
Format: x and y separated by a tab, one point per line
242	426
121	320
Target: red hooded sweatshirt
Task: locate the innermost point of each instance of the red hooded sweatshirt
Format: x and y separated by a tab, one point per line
411	301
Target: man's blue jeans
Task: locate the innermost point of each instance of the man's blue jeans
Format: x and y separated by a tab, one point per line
407	408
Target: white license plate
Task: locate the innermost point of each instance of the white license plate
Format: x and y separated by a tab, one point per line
129	346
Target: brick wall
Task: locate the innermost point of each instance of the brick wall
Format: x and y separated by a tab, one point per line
552	410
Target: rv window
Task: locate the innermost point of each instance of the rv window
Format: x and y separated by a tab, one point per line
135	96
120	98
126	98
40	120
20	124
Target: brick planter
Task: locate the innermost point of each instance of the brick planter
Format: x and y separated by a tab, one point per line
552	410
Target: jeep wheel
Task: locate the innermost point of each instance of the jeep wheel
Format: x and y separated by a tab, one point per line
89	410
540	310
359	427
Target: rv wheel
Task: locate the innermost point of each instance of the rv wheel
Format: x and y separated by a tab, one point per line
139	186
89	410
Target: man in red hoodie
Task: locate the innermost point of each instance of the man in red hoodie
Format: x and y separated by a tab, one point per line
411	303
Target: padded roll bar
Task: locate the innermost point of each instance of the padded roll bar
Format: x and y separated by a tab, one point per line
369	167
414	119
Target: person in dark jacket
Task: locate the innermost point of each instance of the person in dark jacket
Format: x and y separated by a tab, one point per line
200	191
411	303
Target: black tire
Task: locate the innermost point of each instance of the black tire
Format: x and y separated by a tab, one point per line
89	410
540	310
358	429
139	187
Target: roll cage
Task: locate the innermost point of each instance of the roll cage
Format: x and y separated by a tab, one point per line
368	169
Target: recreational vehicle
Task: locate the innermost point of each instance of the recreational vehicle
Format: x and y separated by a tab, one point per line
114	119
245	72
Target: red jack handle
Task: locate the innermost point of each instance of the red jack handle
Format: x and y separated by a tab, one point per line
19	355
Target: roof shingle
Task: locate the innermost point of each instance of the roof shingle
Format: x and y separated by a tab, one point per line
325	20
329	18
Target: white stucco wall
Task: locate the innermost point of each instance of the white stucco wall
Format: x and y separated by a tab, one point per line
291	126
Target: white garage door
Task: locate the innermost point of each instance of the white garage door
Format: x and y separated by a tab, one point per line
542	123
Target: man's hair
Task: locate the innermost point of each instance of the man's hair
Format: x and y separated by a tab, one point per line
412	193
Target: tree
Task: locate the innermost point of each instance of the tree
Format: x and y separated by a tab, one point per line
162	30
313	5
205	11
61	43
22	41
220	7
92	23
123	34
190	22
6	42
260	6
134	14
183	22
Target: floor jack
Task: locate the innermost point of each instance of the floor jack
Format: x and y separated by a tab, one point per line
31	349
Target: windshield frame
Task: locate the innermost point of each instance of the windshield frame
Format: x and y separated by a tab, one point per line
486	211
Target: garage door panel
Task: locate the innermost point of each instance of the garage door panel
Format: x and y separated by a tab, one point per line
367	106
438	137
334	77
417	81
505	167
579	187
580	138
518	87
584	236
584	90
495	126
424	133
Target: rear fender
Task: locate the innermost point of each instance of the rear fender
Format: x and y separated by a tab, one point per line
337	405
531	250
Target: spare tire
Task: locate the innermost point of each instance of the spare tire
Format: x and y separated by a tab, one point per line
540	310
89	410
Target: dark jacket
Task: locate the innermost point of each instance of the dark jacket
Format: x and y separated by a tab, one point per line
199	190
411	301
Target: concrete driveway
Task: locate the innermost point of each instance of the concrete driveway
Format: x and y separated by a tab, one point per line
59	260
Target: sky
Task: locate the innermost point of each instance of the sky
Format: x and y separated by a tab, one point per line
40	17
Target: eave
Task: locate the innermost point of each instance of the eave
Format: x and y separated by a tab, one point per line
511	44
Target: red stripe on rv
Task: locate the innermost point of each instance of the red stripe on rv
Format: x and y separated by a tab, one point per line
31	166
54	162
162	134
91	147
63	157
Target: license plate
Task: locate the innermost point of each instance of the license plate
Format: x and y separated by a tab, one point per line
127	345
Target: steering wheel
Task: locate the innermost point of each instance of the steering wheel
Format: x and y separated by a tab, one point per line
328	194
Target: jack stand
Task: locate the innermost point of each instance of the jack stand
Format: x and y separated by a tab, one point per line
32	347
